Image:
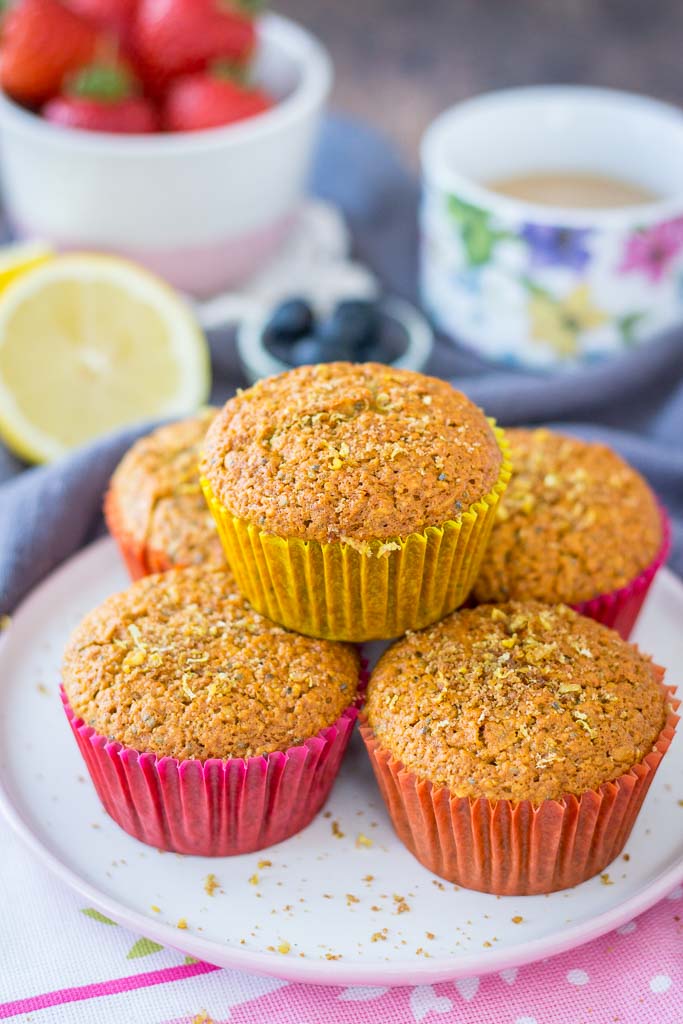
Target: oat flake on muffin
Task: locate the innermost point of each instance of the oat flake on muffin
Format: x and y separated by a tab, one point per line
179	665
350	452
155	502
522	701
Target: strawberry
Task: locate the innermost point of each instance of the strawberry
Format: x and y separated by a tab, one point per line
208	100
103	98
114	15
42	42
177	37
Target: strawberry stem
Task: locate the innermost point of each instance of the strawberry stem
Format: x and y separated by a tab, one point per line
105	82
230	71
248	7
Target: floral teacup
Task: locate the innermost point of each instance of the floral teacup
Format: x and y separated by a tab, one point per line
538	285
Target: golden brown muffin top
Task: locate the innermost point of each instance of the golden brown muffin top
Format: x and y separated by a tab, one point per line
158	497
355	452
180	665
521	701
576	521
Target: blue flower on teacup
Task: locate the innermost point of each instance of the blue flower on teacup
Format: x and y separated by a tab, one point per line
551	246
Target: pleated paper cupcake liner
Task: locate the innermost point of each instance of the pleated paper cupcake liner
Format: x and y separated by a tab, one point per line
515	848
214	808
139	558
337	592
620	609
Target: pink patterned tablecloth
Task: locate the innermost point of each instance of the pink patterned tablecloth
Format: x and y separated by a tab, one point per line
61	962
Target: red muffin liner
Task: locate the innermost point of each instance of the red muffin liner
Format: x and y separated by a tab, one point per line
619	609
509	847
140	559
214	808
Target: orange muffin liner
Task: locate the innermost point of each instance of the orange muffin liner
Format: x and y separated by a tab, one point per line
515	848
140	559
619	609
338	592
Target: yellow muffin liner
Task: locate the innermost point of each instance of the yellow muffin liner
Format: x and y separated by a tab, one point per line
339	592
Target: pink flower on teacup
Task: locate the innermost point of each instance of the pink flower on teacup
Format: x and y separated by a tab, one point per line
651	251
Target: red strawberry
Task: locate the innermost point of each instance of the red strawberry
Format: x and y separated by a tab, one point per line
208	100
135	116
115	15
102	98
176	37
42	42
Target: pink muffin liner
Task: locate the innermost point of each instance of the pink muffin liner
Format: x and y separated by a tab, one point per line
619	609
214	808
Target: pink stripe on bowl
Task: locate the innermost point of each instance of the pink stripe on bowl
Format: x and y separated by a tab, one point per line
201	270
213	808
619	609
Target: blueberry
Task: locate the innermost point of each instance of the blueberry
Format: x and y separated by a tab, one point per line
389	344
317	349
304	351
377	352
291	320
356	322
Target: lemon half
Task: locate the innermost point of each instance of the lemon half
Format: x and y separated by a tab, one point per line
91	343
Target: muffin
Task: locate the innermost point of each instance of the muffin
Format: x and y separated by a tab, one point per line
155	509
514	744
578	526
354	502
206	728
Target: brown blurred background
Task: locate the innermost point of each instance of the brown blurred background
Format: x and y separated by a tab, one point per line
399	62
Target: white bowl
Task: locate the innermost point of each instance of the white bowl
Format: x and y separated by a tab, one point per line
545	286
203	209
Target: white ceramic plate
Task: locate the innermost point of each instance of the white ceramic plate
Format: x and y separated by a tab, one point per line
326	906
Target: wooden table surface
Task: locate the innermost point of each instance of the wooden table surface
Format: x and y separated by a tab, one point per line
399	62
